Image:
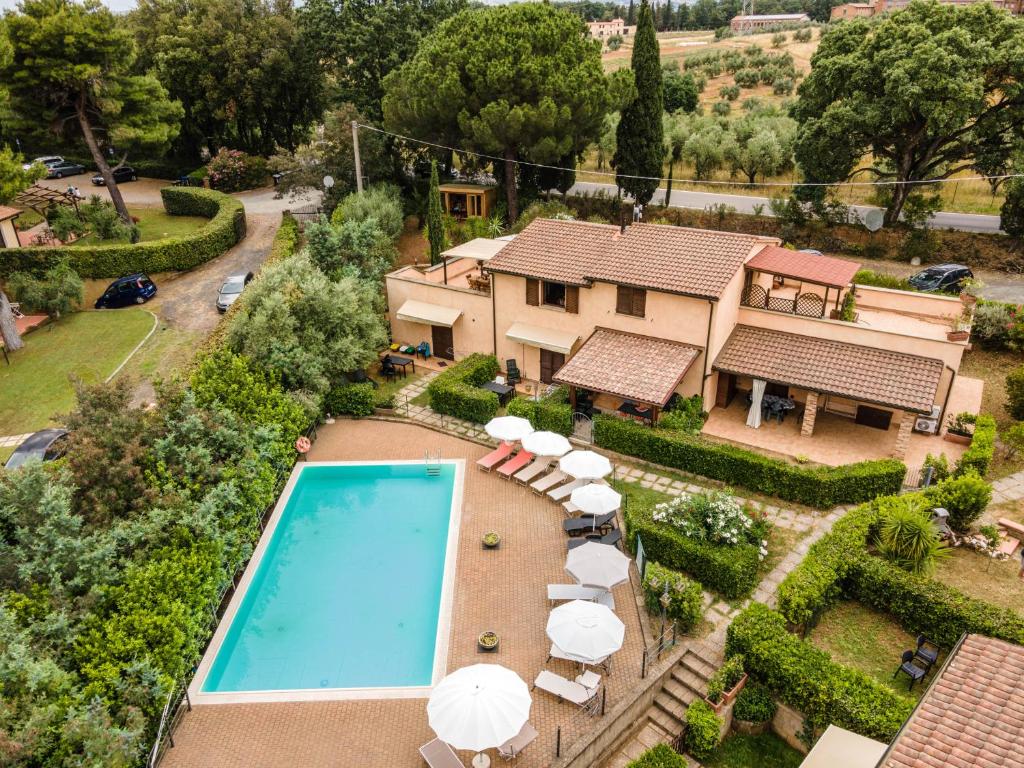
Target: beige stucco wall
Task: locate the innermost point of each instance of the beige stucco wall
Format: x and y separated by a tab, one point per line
909	302
472	332
8	235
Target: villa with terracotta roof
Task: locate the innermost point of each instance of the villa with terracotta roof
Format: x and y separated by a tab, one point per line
8	234
628	319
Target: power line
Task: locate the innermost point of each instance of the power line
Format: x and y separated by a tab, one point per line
712	182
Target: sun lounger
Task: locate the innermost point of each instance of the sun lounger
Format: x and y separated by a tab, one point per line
565	690
439	755
612	539
564	592
538	467
578	526
517	744
495	457
563	491
549	481
558	653
515	464
589	679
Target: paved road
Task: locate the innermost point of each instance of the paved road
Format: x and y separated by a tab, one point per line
968	222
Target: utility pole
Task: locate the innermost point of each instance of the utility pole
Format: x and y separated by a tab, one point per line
355	151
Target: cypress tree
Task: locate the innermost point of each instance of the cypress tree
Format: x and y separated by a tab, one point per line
666	16
639	137
631	14
435	222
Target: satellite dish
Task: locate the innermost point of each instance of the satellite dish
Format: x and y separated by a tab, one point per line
328	182
873	220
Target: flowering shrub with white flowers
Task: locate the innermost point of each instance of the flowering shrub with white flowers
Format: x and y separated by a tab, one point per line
715	517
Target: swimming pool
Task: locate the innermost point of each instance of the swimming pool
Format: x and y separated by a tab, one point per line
348	594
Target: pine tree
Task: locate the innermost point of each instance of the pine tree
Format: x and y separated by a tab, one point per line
435	223
666	16
640	133
631	14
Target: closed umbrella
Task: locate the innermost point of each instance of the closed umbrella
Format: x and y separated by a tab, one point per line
585	465
479	707
508	428
586	631
546	444
597	565
596	499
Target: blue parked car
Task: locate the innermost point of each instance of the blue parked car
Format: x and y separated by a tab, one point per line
131	289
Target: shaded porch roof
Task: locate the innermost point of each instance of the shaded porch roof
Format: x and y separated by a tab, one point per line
809	267
868	374
632	366
431	314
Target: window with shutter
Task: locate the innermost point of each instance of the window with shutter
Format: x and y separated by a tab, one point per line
572	299
532	292
639	302
631	301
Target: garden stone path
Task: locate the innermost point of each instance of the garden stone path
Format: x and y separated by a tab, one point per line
1009	488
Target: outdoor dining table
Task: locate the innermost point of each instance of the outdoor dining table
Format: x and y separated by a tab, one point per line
403	361
505	392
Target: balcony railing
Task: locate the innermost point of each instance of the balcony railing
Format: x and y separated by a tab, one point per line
805	305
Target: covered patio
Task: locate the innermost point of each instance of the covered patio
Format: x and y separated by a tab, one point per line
637	375
797	282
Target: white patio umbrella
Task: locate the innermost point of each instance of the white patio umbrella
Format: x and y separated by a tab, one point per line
596	499
585	465
586	631
479	707
508	428
547	444
597	565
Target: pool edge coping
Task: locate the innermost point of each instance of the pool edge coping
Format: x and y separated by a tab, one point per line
444	616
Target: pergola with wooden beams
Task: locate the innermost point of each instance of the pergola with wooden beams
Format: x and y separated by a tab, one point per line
39	199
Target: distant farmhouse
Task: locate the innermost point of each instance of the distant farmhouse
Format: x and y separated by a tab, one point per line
749	23
602	30
866	10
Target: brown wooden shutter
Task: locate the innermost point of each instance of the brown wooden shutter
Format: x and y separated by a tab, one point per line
532	292
639	302
572	299
623	300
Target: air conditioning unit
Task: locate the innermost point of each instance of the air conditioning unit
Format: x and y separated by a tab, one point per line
929	425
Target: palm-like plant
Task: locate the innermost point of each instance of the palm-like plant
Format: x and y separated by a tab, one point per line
909	538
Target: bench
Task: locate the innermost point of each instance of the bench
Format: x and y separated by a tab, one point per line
1016	530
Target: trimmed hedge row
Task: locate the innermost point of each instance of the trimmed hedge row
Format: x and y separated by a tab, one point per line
806	678
174	254
983	446
456	392
731	571
550	414
820	487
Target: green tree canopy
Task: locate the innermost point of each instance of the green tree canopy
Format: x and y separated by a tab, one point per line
763	144
923	91
71	72
520	82
639	151
680	91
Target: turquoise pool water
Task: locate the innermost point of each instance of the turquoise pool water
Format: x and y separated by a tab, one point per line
348	591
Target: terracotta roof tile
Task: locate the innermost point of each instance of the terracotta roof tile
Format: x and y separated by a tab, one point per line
661	257
972	715
6	212
823	270
629	365
893	379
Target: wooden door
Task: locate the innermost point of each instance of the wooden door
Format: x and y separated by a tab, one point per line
550	362
726	389
442	342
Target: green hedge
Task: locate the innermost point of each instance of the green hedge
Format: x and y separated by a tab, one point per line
686	598
553	414
703	728
351	399
457	392
983	446
732	571
807	679
821	487
173	254
659	756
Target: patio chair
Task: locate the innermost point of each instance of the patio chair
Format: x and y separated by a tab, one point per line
910	669
926	651
564	491
495	457
549	481
564	592
388	370
538	467
612	539
557	653
515	464
578	526
439	755
423	350
512	370
517	744
564	689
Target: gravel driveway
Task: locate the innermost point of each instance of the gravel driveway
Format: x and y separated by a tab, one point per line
998	286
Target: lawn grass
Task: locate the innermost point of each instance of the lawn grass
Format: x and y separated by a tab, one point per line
764	751
994	581
154	224
387	388
422	399
868	640
5	454
992	368
36	386
167	352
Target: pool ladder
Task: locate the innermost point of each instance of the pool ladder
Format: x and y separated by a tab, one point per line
433	462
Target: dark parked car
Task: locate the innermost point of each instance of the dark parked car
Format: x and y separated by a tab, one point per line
64	168
132	289
46	445
121	175
948	278
231	290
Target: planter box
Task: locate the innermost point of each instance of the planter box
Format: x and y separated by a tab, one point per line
958	335
384	411
750	728
481	648
954	438
728	696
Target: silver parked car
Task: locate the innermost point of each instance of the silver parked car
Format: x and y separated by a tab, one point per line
231	290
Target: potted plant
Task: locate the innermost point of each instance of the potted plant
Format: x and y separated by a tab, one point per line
385	406
969	289
959	328
754	710
487	642
491	540
726	683
960	428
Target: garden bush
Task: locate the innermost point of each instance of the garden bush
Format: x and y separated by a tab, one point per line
978	457
551	414
881	280
686	599
808	680
1015	393
907	536
225	228
232	170
381	202
703	727
821	487
725	678
754	704
457	392
659	756
964	497
351	399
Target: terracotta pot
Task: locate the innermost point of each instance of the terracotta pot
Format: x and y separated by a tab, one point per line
958	335
717	707
487	648
954	438
968	299
731	694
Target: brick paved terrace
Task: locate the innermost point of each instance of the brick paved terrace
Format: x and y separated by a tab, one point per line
503	590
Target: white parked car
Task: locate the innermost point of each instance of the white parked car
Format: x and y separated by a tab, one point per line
48	160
